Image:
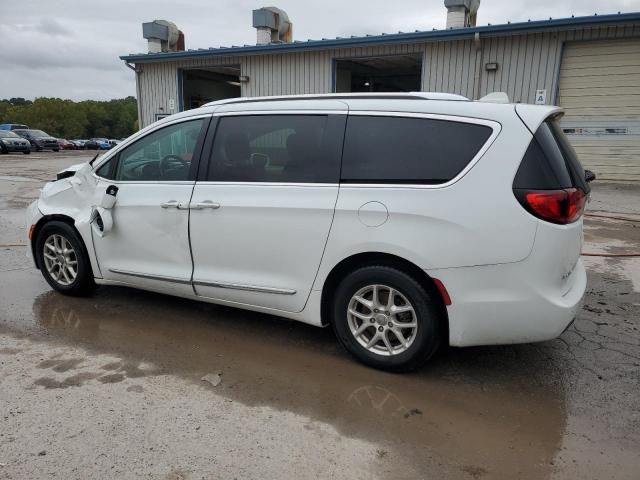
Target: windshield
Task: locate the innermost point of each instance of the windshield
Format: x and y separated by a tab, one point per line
38	133
8	134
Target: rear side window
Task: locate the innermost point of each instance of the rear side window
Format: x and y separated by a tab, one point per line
550	162
385	149
277	148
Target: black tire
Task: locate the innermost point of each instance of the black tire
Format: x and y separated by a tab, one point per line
27	152
83	284
56	150
3	151
427	308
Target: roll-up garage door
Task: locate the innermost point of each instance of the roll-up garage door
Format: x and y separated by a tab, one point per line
600	91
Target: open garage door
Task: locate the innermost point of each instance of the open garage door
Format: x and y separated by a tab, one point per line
207	84
388	73
600	90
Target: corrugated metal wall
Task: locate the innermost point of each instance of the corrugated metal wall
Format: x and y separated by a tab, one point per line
525	63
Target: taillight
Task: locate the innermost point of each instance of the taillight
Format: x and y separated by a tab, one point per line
555	206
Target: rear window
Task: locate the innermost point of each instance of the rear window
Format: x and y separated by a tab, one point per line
385	149
550	162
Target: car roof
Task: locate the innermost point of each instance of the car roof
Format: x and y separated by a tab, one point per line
493	107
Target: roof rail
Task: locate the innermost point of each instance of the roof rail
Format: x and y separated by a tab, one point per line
495	97
344	96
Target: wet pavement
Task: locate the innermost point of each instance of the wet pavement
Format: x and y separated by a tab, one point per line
110	386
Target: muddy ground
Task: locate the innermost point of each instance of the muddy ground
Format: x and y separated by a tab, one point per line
110	386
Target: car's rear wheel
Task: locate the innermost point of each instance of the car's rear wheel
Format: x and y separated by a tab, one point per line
63	260
27	152
386	319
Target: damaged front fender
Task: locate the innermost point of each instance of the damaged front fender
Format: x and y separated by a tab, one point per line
74	196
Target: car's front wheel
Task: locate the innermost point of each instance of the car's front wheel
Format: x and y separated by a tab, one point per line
63	260
27	152
386	319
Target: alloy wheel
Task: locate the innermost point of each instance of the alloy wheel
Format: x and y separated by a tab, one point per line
382	320
60	259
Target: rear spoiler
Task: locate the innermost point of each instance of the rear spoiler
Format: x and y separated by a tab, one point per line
533	115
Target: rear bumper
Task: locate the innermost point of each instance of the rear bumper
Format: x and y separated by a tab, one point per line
506	304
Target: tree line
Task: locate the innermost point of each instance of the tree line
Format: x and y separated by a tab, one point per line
68	119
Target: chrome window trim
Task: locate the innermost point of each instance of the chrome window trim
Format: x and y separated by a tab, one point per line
164	278
247	288
280	112
270	184
148	182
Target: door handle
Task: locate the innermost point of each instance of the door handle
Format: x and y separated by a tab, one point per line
170	204
205	204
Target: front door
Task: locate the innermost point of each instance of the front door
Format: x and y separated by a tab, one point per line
261	215
148	245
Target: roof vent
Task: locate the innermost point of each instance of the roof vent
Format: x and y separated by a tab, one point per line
163	36
461	13
273	26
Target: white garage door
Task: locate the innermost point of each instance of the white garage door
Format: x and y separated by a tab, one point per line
600	90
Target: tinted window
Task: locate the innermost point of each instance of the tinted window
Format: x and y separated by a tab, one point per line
408	150
163	155
8	134
550	162
277	148
38	133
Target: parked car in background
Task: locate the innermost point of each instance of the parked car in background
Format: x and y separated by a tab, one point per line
91	145
404	221
79	143
66	144
10	142
39	140
113	142
13	126
103	143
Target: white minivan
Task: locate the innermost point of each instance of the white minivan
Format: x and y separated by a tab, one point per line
405	221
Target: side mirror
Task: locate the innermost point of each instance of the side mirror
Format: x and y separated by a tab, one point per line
589	176
109	197
101	219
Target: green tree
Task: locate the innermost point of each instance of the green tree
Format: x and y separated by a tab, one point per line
68	119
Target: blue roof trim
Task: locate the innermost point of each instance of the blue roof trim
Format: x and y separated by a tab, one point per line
387	38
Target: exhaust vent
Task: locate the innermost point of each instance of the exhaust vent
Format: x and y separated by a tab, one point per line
461	13
272	25
163	36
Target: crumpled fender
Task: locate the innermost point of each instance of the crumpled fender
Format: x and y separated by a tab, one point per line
75	197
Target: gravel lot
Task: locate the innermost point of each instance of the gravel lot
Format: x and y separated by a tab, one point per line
110	386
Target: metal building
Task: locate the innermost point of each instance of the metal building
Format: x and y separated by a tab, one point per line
588	65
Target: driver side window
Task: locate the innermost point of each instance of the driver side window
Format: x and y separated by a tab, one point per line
164	155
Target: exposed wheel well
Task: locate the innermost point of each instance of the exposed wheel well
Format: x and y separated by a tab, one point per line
44	220
376	258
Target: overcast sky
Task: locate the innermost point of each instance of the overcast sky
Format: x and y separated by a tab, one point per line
70	48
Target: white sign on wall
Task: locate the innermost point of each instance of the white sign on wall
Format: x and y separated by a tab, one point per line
541	97
172	104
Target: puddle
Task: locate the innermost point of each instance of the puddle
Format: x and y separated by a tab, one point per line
471	410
